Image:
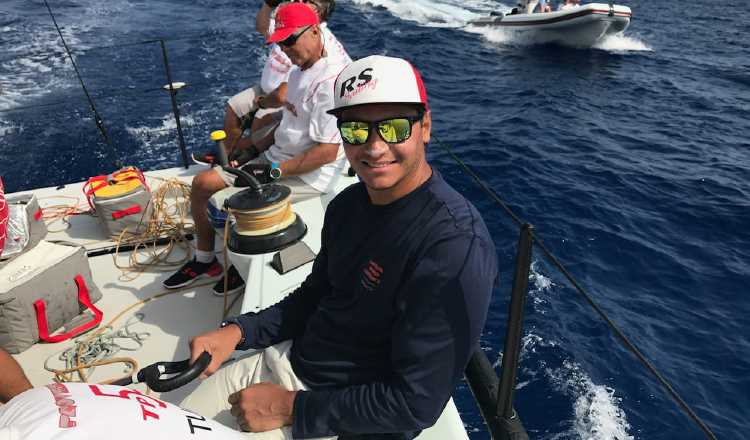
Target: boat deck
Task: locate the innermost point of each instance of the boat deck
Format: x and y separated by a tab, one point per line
171	320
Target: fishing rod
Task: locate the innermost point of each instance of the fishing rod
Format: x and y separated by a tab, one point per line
97	118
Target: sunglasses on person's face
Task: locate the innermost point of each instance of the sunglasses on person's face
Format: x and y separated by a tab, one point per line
292	39
391	130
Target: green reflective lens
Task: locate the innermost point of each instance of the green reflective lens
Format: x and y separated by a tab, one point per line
395	130
354	132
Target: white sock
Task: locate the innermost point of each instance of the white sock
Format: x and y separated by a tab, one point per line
204	256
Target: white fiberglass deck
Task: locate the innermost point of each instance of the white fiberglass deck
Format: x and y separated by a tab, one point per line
171	320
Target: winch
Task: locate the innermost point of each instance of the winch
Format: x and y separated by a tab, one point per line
264	219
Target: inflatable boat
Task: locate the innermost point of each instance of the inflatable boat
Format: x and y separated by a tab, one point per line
583	25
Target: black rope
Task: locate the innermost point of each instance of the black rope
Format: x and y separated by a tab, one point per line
661	379
97	117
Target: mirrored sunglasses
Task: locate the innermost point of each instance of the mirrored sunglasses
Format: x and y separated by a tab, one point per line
392	130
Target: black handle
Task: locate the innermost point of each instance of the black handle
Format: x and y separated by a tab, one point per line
244	175
186	373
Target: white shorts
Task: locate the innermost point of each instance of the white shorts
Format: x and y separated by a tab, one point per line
210	399
243	103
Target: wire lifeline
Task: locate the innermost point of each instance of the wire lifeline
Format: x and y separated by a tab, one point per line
97	117
589	299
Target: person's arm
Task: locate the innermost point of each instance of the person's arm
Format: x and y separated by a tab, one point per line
275	99
13	380
288	317
277	323
263	19
323	130
443	308
309	160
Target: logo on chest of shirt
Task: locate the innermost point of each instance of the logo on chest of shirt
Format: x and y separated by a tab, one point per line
371	275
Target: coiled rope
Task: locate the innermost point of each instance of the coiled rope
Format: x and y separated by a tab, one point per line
90	344
589	299
168	220
263	221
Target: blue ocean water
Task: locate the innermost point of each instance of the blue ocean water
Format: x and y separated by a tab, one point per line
631	159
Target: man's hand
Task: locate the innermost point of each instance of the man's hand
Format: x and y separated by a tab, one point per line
218	343
262	407
264	172
240	157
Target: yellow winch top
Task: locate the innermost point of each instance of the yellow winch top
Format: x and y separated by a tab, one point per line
218	135
121	184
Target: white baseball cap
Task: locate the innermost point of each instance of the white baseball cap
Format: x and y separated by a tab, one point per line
378	79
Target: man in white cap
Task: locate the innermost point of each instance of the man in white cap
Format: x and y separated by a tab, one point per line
306	151
377	337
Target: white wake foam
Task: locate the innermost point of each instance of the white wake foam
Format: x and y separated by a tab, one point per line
437	13
36	62
623	43
153	137
597	413
540	289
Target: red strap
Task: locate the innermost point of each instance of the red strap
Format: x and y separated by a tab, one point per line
83	298
3	216
135	209
102	182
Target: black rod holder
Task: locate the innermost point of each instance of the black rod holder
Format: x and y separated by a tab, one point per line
175	109
512	348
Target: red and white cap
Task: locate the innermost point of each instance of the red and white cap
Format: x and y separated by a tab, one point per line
289	18
378	79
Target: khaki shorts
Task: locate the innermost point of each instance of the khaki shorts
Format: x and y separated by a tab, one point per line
243	103
210	399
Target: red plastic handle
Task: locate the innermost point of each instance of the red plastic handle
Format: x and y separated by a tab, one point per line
83	298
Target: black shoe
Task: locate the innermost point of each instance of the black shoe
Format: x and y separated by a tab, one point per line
235	284
191	271
208	158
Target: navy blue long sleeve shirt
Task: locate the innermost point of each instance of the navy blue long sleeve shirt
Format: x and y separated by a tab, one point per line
386	322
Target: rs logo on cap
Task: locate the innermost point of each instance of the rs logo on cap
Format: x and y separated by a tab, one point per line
358	81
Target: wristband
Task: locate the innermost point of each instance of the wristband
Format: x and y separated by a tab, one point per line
236	322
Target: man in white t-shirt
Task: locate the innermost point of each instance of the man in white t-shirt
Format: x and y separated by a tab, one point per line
79	411
244	106
306	153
